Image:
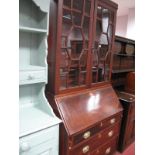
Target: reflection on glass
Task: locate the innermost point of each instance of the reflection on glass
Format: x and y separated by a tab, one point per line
99	11
67	3
102	45
74	45
86	27
105	20
98	29
87	6
110	34
103	39
77	18
78	4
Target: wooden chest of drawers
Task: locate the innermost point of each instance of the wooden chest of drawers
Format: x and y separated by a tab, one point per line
91	121
127	134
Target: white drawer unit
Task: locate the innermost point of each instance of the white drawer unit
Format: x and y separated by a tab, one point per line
39	127
43	142
28	77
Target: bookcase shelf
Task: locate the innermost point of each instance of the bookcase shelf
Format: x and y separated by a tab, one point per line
123	61
29	29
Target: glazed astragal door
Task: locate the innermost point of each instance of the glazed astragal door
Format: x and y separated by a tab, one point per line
102	43
75	41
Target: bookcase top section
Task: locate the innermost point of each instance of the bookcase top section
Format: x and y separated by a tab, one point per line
81	110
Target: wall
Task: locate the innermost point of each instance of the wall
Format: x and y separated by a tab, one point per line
131	24
121	25
125	25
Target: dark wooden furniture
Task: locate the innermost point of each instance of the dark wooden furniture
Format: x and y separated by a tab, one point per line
123	81
127	133
123	61
130	83
81	37
91	121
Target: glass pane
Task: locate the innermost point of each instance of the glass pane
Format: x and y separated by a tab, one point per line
103	39
77	18
94	66
87	6
110	29
105	20
66	22
64	59
102	45
67	3
83	60
86	27
76	48
73	59
102	51
74	43
99	12
95	58
98	29
63	41
75	35
78	4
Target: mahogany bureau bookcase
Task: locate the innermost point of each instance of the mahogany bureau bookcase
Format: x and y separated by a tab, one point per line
81	36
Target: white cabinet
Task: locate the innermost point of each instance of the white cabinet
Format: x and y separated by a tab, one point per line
39	127
40	143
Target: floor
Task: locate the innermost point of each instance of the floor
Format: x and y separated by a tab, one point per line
129	151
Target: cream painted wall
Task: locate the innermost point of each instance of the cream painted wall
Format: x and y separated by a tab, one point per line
121	25
131	24
125	25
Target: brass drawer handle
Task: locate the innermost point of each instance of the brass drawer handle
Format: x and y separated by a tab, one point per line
85	149
86	135
108	150
110	133
112	121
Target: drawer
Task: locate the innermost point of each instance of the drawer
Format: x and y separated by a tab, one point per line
106	149
95	129
28	77
97	140
39	140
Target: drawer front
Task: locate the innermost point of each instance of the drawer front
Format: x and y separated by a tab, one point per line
106	149
97	140
108	134
28	77
45	148
95	129
39	140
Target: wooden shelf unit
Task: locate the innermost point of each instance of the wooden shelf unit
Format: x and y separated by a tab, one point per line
123	62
